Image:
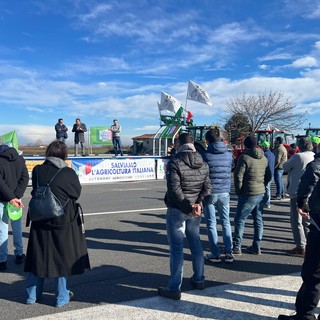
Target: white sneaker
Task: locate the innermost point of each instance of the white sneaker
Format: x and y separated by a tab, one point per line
212	258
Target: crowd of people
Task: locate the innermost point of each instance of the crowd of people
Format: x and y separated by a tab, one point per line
196	184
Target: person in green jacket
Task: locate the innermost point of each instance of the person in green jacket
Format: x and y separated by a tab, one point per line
251	176
281	155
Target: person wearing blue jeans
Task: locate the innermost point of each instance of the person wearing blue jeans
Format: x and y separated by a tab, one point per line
178	225
116	140
34	288
14	180
249	205
222	202
281	156
251	176
188	185
278	173
265	146
219	160
16	234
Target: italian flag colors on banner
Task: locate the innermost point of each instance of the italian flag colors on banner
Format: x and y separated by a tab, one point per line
10	139
101	136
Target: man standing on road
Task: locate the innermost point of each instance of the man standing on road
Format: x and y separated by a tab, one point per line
188	183
265	146
295	167
116	140
219	160
14	179
281	155
251	176
61	130
79	129
308	195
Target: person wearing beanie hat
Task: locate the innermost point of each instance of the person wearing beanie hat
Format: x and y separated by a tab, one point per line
281	155
295	168
251	176
250	142
265	146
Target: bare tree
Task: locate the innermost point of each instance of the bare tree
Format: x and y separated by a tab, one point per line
267	108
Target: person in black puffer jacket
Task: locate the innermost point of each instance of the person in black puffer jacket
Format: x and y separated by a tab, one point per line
188	184
308	195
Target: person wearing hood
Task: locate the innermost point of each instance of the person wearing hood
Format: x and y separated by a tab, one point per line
219	160
188	183
14	180
56	247
251	176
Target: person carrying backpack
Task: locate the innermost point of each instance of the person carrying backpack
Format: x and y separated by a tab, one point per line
57	247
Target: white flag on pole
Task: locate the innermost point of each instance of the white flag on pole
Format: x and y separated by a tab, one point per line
196	93
170	103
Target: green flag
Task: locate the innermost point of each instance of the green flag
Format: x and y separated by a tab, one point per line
10	139
101	136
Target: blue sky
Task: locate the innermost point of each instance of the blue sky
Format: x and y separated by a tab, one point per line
100	60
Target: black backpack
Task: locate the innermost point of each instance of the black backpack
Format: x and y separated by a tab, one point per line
44	205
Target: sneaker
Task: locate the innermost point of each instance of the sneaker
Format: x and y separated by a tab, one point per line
268	206
276	198
253	250
165	292
297	252
3	266
212	258
71	295
20	259
229	258
237	251
199	285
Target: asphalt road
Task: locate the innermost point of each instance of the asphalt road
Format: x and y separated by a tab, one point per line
126	238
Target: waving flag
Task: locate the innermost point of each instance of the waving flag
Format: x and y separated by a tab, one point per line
198	94
10	139
169	103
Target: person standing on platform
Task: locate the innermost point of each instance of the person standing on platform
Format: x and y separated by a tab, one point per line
79	128
116	140
61	130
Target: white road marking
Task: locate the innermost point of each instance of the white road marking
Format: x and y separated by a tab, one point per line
124	211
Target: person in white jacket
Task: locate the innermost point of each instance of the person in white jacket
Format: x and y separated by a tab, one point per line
295	167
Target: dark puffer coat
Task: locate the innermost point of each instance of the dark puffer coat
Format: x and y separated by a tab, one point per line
252	173
219	160
308	193
188	181
57	247
14	175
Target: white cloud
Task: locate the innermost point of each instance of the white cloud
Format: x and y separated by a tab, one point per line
263	66
151	129
317	44
305	62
